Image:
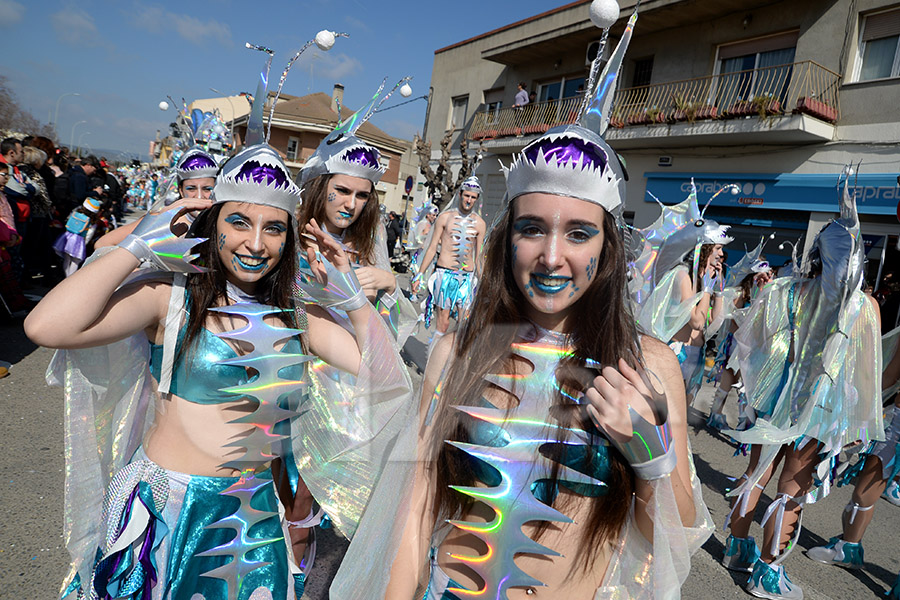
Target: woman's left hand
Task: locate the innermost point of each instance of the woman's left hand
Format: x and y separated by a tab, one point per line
373	279
612	393
327	248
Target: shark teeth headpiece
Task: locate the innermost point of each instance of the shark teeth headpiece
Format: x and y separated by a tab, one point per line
342	153
196	163
713	233
568	161
257	175
347	155
471	183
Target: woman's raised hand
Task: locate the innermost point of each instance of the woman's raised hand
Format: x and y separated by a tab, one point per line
184	206
612	393
622	404
326	247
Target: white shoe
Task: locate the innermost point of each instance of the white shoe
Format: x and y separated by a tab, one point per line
771	582
892	493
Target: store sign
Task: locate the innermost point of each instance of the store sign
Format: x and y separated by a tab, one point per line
876	193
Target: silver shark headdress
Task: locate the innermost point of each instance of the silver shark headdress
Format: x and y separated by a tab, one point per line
472	183
679	229
838	248
574	160
341	152
257	174
196	163
751	262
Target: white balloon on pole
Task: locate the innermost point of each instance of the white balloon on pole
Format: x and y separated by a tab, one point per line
604	13
325	39
406	90
163	105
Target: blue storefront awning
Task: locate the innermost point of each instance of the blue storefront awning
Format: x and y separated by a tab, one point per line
876	193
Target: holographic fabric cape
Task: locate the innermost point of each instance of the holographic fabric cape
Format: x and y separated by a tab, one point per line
637	569
663	312
831	391
347	425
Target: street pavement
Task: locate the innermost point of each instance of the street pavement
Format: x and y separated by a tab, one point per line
33	561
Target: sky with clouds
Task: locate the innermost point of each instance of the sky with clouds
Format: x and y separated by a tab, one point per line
124	56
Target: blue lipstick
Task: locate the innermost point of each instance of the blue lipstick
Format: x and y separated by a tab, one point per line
549	284
252	268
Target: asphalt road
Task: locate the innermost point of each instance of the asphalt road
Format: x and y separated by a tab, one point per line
33	561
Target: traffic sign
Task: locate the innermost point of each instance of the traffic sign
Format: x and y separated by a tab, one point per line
409	184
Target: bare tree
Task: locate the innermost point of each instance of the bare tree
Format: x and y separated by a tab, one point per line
14	118
439	182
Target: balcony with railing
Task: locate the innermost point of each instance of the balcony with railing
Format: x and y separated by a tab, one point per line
779	104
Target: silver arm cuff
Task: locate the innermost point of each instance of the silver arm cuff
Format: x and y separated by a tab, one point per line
152	242
649	451
341	292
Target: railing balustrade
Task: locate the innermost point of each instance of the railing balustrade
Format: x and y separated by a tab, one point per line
803	87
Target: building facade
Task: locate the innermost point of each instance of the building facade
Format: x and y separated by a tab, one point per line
775	97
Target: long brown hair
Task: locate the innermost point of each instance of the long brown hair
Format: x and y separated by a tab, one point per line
360	235
705	251
207	289
605	332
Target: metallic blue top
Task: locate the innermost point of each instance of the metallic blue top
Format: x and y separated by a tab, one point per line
197	377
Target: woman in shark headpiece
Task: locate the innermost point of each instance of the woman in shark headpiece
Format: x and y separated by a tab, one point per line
339	193
533	478
193	178
810	359
676	282
198	387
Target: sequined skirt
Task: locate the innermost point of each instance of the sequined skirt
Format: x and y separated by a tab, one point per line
171	535
449	290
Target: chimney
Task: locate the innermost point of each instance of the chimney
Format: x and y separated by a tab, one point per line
337	96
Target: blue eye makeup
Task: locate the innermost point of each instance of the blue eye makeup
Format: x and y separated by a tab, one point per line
235	218
278	227
527	227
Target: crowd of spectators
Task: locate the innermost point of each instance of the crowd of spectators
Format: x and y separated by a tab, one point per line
47	195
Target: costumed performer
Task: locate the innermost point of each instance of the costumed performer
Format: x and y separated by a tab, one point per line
195	176
421	234
676	283
742	284
810	359
338	183
878	465
554	459
459	231
190	509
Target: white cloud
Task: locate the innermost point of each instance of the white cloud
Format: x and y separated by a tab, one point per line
331	66
10	13
75	26
156	19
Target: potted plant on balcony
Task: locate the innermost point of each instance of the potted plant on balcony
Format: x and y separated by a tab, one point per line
638	118
656	115
817	108
741	108
766	105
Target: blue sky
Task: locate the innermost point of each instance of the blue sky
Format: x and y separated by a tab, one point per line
125	56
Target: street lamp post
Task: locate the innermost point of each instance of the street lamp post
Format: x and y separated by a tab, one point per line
81	137
72	138
231	104
56	114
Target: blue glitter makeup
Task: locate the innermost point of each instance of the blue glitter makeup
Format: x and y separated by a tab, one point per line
234	218
591	268
221	241
331	196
